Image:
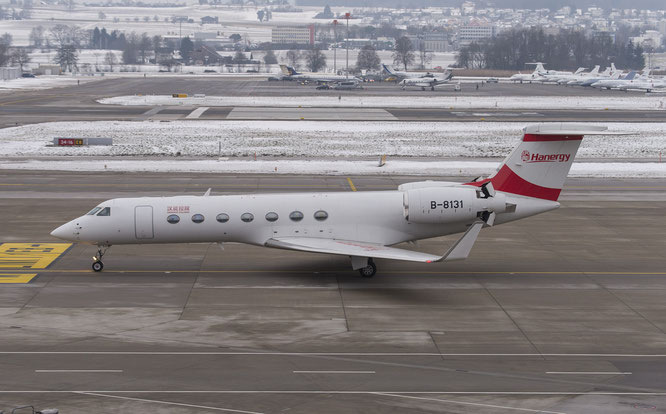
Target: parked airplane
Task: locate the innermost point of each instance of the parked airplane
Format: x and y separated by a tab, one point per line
398	74
361	225
565	79
647	85
540	74
629	79
318	77
614	74
428	82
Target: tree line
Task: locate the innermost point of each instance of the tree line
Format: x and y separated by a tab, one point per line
569	49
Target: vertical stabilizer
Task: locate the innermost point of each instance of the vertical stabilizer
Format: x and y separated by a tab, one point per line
538	166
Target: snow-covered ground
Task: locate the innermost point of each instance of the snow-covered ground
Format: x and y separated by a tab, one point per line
310	139
43	82
328	167
285	147
533	103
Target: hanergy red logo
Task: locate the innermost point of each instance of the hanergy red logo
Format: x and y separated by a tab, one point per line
526	156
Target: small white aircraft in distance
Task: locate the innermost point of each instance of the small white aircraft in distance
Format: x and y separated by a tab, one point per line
317	77
361	225
430	82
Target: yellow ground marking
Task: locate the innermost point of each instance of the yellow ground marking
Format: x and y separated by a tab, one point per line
351	184
17	277
30	255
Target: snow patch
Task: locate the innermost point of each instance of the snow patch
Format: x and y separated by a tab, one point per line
635	102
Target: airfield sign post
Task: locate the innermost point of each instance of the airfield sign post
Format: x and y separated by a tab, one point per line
347	16
335	48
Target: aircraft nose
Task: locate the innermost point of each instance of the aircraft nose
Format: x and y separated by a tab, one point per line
64	232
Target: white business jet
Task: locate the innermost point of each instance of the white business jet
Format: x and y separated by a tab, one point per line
361	225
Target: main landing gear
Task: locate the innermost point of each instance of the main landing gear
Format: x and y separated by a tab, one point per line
369	270
97	265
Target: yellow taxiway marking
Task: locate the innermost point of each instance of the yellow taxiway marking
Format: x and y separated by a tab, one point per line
351	184
17	277
30	255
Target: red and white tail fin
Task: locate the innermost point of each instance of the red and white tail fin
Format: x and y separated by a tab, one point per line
538	166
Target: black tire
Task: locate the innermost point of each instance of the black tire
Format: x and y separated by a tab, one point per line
368	271
97	266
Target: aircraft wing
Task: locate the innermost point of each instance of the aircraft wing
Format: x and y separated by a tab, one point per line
459	250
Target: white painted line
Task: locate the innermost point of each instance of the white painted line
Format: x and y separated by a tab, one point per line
434	354
79	370
334	372
470	403
197	112
588	373
332	392
230	410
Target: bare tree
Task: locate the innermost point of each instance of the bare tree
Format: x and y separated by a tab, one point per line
403	53
145	44
20	57
37	36
315	59
67	57
111	60
62	34
4	54
367	59
293	58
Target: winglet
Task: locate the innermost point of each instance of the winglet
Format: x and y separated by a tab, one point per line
207	193
461	248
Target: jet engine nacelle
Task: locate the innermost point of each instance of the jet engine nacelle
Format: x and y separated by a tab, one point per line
438	205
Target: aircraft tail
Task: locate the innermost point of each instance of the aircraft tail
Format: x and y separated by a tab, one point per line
631	75
285	70
579	70
539	165
388	69
595	70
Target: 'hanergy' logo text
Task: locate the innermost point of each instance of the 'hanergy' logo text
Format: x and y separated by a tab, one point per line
527	157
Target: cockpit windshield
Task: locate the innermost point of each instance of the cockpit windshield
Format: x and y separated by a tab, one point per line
106	211
93	211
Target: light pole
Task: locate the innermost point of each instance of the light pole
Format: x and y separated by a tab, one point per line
335	47
347	16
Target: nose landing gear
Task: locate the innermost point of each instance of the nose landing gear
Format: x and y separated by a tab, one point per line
97	265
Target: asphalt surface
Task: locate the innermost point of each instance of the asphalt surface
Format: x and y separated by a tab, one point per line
79	103
562	312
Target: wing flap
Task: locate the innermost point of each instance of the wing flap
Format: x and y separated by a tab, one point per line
349	248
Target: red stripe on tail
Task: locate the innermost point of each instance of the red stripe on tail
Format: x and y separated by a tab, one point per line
509	182
535	138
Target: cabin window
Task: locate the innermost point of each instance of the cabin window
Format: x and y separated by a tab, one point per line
271	216
198	218
173	219
94	210
296	216
106	211
247	217
222	217
320	215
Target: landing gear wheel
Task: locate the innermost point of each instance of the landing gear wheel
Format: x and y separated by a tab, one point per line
432	88
97	265
368	271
